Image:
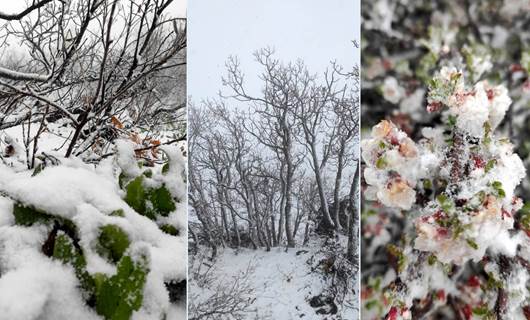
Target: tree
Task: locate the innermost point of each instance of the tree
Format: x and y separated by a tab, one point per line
263	161
275	128
96	64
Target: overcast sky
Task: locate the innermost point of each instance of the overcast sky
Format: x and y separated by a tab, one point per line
314	30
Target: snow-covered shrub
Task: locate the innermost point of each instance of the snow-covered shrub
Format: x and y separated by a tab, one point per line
436	235
105	241
457	185
220	297
406	42
339	275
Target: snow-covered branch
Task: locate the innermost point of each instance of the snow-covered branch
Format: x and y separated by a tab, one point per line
22	76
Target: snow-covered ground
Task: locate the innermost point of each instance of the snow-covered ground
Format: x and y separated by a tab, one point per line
283	283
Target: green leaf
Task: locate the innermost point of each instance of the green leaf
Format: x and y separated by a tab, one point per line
169	229
472	243
497	186
525	216
371	304
493	283
451	121
99	280
118	213
377	284
27	216
148	173
162	201
400	256
121	179
112	242
65	251
121	294
426	64
445	203
481	311
432	259
38	169
487	133
381	162
136	195
491	163
165	168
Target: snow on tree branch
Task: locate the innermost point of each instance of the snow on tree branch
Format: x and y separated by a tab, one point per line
21	76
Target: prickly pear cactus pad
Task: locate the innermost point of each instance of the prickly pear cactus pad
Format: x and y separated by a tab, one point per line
105	241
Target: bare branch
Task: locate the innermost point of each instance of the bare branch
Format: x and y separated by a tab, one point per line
20	15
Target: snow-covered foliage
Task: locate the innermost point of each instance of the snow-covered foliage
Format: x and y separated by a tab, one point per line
458	184
445	158
105	241
92	179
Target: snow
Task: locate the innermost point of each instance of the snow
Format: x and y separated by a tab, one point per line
16	75
413	104
395	164
175	177
473	112
125	159
26	294
283	282
71	187
33	286
392	91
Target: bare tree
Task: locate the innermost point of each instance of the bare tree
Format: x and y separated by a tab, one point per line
197	195
274	126
277	162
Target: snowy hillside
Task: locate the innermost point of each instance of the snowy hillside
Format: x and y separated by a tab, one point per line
266	285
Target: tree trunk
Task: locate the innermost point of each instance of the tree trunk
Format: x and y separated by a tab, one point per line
288	203
306	234
353	237
236	229
281	222
225	222
336	191
269	236
320	186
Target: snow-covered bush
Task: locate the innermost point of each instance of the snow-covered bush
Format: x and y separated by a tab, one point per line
406	42
105	241
457	187
444	238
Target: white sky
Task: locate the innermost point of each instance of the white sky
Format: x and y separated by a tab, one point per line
316	31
